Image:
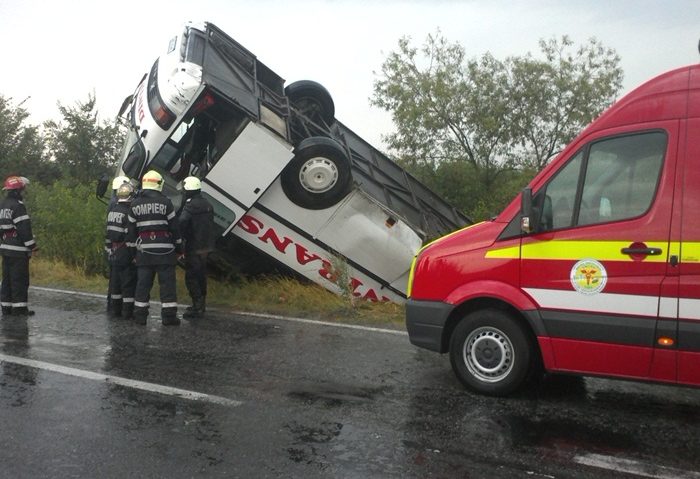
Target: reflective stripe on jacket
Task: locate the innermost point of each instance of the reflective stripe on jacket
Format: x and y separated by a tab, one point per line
120	251
153	229
16	227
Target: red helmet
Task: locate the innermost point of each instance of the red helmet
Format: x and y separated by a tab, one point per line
14	183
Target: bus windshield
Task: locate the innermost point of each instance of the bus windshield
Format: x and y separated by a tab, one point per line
133	155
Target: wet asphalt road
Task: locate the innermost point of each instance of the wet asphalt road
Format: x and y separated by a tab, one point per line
85	396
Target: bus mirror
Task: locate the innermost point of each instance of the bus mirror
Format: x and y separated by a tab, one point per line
101	189
125	105
527	219
102	184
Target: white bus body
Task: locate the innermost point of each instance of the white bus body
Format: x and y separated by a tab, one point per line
283	175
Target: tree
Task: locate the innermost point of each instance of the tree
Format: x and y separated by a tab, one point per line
21	144
83	146
484	119
555	98
439	108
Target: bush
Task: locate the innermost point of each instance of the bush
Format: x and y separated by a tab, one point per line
69	224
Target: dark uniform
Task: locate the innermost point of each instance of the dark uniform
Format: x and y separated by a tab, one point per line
197	228
122	271
116	183
16	249
153	229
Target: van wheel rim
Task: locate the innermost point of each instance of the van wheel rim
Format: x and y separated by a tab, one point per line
488	354
318	175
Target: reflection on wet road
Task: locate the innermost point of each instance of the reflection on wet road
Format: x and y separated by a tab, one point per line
82	395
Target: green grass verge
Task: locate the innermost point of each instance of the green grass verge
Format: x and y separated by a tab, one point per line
274	295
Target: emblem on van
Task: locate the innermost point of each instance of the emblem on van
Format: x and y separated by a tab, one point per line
588	276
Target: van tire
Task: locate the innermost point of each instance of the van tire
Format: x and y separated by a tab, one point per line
491	352
319	175
312	100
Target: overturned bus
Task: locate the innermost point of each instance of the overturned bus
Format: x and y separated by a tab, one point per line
286	178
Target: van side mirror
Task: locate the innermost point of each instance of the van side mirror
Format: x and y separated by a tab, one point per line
527	213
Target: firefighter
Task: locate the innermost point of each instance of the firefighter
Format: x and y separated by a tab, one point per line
153	229
116	183
196	224
122	270
17	246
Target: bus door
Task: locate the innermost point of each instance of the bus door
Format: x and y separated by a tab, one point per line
235	157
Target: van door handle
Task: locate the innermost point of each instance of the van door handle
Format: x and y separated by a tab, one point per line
642	251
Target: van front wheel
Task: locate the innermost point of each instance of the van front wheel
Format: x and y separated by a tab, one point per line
491	353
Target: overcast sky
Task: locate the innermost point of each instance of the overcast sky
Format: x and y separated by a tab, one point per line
61	50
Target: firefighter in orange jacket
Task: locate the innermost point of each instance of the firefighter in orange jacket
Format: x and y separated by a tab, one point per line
16	248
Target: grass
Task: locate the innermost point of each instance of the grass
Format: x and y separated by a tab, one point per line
274	295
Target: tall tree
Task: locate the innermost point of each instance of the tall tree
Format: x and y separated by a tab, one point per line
82	145
21	144
486	120
444	107
556	97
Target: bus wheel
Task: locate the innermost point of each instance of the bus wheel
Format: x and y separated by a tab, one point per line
312	100
491	353
319	174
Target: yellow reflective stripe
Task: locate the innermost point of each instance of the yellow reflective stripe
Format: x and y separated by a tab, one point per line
688	252
512	252
575	250
409	287
600	250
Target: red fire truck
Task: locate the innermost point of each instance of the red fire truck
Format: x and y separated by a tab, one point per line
593	270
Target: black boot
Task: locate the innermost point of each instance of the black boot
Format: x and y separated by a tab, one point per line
116	309
140	315
170	320
128	311
6	310
196	310
192	314
22	311
199	305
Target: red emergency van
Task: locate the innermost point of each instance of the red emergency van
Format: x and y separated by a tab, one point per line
593	270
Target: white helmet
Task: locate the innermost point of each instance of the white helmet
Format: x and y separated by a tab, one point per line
118	181
125	192
191	183
152	181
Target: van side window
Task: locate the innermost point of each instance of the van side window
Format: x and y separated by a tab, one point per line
560	195
621	178
609	180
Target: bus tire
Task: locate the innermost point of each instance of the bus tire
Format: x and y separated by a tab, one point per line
491	352
319	175
312	100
